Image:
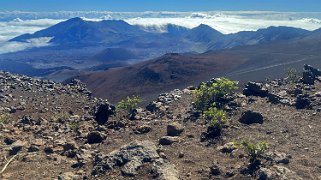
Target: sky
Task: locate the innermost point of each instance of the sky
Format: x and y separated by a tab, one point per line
161	5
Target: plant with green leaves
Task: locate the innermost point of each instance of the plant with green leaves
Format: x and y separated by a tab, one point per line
293	75
61	117
209	93
75	126
129	104
216	117
255	150
4	118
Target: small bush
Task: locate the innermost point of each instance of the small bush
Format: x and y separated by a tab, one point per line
255	150
207	94
75	125
293	75
4	118
217	117
129	104
61	117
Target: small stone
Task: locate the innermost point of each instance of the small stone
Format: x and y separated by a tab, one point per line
16	147
68	176
215	169
227	148
142	129
180	155
33	148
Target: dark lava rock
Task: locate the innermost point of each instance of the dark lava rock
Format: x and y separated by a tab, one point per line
308	78
33	148
302	101
25	120
211	133
168	140
9	140
103	111
174	129
250	117
310	74
16	147
215	169
95	137
154	106
255	89
142	129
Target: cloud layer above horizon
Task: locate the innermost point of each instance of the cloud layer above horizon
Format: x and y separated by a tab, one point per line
16	23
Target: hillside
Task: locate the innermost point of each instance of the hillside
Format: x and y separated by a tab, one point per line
66	133
257	62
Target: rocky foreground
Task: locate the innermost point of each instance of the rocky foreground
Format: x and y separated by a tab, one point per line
54	131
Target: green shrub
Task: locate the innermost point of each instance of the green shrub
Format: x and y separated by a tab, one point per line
61	117
255	150
207	94
217	117
129	104
293	75
75	125
4	118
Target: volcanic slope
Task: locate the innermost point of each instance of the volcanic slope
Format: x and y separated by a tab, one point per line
48	130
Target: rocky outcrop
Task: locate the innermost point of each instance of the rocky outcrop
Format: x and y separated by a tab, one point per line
277	172
255	89
310	74
133	156
103	111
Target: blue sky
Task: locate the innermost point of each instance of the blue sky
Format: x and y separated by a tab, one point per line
160	5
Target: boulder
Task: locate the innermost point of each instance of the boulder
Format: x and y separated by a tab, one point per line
95	137
154	106
310	74
302	101
132	157
255	89
250	117
103	111
168	140
308	78
174	129
277	172
279	158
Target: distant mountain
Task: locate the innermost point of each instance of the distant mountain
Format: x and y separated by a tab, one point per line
204	34
78	31
115	54
175	30
257	37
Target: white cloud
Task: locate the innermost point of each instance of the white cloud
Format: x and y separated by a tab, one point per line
228	24
8	47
